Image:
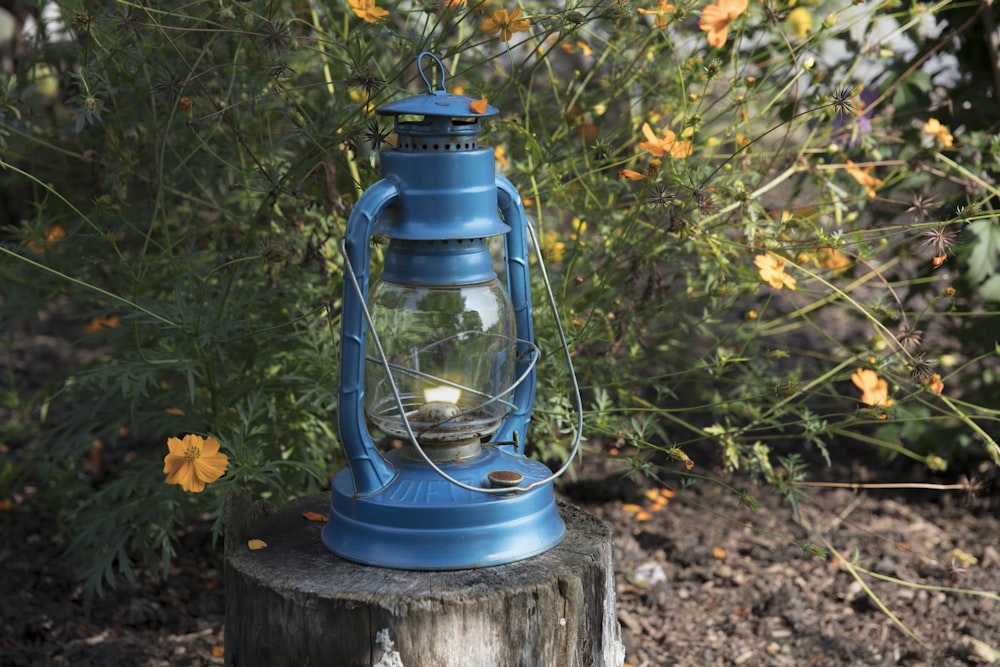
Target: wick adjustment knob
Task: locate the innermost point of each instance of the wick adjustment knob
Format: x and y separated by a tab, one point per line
505	479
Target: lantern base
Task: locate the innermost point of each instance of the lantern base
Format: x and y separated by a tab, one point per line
421	521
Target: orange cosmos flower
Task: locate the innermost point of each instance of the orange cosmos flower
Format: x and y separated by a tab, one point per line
874	390
194	462
772	271
53	234
715	20
833	259
478	106
864	177
500	155
366	9
582	47
669	144
99	324
662	9
505	24
636	510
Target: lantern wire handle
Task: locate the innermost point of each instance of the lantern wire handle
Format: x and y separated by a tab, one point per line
577	400
441	72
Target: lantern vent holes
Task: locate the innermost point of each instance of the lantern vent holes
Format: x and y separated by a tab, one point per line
412	145
458	241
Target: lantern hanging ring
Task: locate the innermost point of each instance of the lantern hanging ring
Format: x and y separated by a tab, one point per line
441	72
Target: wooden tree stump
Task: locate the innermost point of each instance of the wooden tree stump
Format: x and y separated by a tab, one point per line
293	603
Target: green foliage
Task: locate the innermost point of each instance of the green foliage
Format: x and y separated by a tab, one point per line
733	233
984	256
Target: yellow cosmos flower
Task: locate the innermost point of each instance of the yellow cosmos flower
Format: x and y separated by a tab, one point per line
194	462
366	10
662	9
715	20
362	98
669	144
801	21
552	247
505	24
772	271
940	132
874	390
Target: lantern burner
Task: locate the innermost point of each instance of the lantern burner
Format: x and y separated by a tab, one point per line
446	431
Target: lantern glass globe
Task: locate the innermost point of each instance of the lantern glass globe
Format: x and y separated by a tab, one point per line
450	350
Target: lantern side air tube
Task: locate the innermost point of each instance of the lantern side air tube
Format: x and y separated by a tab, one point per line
515	427
370	472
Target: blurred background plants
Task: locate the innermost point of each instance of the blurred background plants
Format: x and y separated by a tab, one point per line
772	228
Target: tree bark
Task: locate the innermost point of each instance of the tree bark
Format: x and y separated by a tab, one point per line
293	603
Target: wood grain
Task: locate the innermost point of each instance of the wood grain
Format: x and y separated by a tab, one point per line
293	603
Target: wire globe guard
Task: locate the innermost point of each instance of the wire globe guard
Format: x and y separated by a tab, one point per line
394	511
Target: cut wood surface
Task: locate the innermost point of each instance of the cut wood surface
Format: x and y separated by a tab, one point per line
293	603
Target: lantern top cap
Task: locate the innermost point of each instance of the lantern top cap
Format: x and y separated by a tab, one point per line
437	101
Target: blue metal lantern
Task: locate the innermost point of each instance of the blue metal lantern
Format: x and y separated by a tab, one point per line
439	355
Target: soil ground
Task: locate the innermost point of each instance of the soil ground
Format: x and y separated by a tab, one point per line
705	581
702	581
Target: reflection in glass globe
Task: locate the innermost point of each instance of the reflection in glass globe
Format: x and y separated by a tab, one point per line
451	349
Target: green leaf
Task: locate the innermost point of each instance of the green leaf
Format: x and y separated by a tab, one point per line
8	26
715	429
912	90
982	260
990	290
